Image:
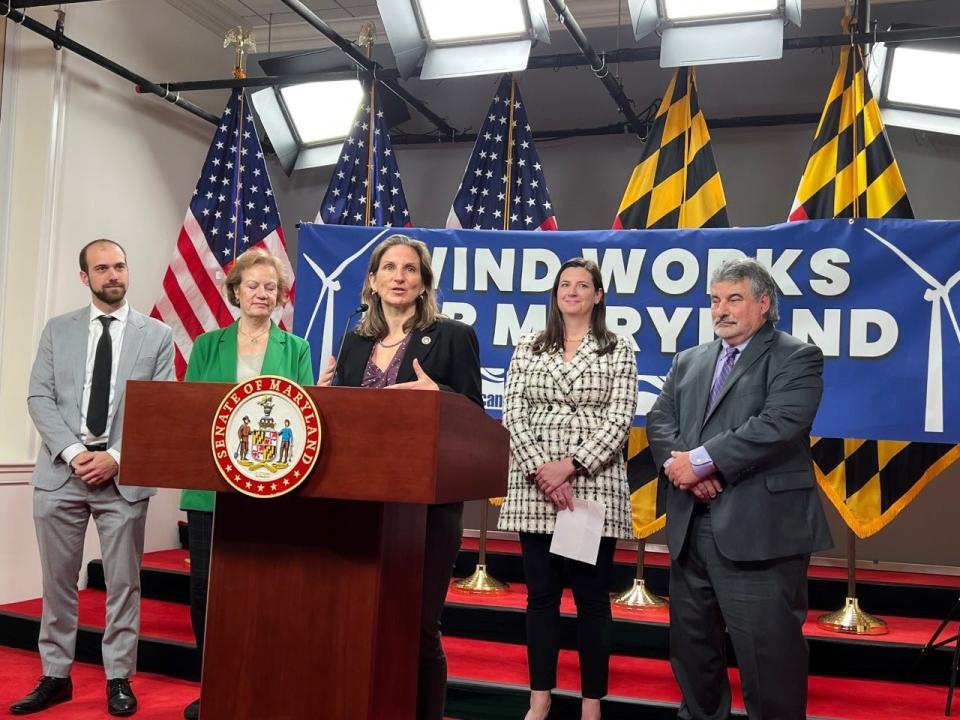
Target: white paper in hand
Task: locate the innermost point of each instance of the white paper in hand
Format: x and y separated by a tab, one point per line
576	534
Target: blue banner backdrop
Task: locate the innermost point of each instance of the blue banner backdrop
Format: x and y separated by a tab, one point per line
873	294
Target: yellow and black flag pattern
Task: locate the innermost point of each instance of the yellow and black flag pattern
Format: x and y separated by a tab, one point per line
676	183
642	474
871	481
851	171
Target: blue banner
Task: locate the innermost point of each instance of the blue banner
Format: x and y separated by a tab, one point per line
875	295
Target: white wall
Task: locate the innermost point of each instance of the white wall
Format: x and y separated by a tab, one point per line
94	160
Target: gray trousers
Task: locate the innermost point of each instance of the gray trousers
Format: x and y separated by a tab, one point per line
61	518
762	605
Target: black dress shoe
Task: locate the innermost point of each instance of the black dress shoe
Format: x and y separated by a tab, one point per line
120	698
192	711
50	691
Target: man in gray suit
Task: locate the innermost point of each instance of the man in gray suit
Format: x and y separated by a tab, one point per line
731	431
76	401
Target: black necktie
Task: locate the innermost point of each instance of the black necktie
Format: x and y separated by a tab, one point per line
99	404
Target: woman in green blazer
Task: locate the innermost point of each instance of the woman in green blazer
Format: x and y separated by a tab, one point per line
251	346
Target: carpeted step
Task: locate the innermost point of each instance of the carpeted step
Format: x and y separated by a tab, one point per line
902	594
166	639
489	678
494	674
895	656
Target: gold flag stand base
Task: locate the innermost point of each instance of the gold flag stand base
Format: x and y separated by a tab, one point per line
851	619
481	583
637	597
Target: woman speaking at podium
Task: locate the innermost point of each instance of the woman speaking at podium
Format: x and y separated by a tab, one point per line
251	346
403	342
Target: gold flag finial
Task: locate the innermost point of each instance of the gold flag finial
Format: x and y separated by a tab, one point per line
243	43
368	34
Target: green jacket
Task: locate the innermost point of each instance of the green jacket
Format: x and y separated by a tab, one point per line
214	359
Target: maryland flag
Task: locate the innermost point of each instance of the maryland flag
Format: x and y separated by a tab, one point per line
676	183
643	477
851	172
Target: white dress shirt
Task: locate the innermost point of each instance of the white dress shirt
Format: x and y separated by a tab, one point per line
117	328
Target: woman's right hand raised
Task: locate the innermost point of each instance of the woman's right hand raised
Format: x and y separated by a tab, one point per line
326	377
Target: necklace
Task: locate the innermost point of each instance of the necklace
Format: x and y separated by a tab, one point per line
382	344
254	338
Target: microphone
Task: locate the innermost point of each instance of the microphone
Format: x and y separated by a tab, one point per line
361	308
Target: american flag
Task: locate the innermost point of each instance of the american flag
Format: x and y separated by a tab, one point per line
498	193
366	153
232	210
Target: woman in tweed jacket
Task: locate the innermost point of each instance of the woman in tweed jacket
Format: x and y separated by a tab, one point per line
571	397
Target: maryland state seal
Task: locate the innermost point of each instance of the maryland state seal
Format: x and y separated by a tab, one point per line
266	436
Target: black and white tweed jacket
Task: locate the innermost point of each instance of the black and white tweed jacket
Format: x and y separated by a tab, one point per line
583	409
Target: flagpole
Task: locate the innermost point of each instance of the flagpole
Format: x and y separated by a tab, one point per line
366	39
686	150
850	618
243	42
480	582
506	201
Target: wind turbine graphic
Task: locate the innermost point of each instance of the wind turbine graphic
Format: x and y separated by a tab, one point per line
937	294
331	284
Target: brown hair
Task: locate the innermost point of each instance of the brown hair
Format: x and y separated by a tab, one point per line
552	337
83	252
256	256
374	324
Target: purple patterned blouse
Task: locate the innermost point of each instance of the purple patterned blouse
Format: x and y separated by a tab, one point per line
374	377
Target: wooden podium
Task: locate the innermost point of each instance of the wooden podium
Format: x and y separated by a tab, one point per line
314	597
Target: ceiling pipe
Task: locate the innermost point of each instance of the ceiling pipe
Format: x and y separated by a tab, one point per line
370	66
599	67
61	40
554	62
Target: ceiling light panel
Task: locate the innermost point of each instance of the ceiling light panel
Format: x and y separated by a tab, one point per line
447	21
684	10
924	78
322	111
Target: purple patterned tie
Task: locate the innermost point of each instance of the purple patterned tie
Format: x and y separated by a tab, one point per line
725	369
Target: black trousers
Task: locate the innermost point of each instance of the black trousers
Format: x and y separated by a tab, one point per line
762	605
199	540
544	574
444	533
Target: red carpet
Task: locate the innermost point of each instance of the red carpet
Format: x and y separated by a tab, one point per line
653	680
159	697
158	619
628	557
911	631
481	661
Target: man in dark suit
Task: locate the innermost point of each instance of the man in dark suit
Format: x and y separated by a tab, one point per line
76	402
731	432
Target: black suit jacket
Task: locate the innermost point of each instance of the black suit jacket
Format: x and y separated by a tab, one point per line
758	436
448	352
